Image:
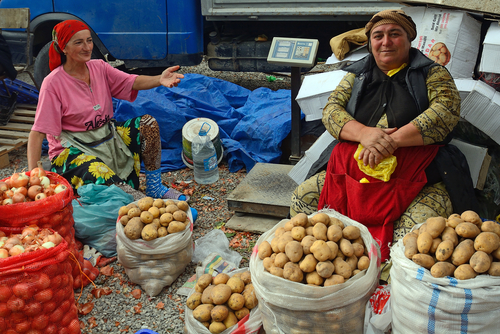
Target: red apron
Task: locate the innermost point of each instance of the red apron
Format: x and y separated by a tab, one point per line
376	204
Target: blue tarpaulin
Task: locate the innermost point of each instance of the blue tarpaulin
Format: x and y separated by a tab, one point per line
252	124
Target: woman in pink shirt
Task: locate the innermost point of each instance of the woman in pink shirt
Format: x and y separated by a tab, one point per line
75	114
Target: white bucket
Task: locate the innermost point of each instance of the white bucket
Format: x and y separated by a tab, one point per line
190	130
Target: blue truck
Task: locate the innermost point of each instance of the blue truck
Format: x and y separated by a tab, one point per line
149	34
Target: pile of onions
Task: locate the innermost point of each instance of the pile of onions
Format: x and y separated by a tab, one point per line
31	239
20	187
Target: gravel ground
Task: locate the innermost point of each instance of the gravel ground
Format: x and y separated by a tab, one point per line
120	311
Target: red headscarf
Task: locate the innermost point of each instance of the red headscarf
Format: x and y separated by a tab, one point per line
61	35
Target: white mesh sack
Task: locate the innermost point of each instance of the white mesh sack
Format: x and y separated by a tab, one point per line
291	307
421	303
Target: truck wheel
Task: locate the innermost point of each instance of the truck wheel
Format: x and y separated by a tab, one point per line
41	68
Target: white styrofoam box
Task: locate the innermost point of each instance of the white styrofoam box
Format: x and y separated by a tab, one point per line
478	160
464	87
356	54
314	92
490	59
457	30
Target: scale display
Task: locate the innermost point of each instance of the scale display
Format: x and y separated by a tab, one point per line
295	52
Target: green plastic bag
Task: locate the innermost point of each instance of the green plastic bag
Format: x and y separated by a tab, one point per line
95	214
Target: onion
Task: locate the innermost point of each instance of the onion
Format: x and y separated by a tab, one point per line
38	171
2	234
2	243
7	201
16	250
4	186
22	190
4	239
59	188
40	196
34	180
18	198
55	238
8	193
45	182
48	244
4	253
34	190
19	180
11	242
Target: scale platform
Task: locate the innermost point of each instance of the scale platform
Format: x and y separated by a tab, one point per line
266	190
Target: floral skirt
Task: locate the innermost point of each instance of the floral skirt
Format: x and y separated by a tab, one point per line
80	169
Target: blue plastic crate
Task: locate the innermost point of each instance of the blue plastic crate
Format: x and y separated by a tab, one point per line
26	93
145	331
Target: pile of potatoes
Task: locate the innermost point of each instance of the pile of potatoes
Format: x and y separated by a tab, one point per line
220	302
317	251
461	246
153	218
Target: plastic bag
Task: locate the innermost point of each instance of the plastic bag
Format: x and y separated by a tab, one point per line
156	263
421	303
215	241
378	314
291	307
95	215
248	325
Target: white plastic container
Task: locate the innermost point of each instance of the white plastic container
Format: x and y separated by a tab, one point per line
206	168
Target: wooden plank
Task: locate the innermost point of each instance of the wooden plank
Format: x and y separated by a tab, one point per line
3	149
4	160
25	112
26	106
17	127
13	134
21	119
12	142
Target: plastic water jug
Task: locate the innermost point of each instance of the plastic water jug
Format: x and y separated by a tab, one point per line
206	168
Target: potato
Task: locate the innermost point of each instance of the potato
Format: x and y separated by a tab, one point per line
166	218
134	228
183	205
300	219
435	226
156	222
409	235
444	250
422	228
162	232
219	313
288	226
325	269
246	277
363	262
450	234
294	251
154	211
291	272
435	245
250	296
241	313
202	312
320	250
204	280
236	301
346	247
442	269
352	261
220	294
334	248
342	268
216	327
194	300
231	320
308	263
320	217
149	232
134	212
124	220
334	280
319	231
338	222
276	271
487	242
496	253
274	244
236	284
411	247
283	240
453	222
175	227
471	217
145	203
467	230
423	260
309	230
171	208
298	233
494	269
480	262
280	260
490	226
122	211
351	232
334	233
206	297
306	243
180	216
314	278
197	288
268	263
265	250
464	271
279	231
462	252
220	278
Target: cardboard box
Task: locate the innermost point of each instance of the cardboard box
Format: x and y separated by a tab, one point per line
482	6
314	92
478	160
490	59
451	36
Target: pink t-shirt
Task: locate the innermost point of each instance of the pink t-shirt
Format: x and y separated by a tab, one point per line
66	103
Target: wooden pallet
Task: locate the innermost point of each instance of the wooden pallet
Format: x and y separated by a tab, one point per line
15	133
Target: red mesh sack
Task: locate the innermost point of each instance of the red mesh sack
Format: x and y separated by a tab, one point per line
36	292
54	212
